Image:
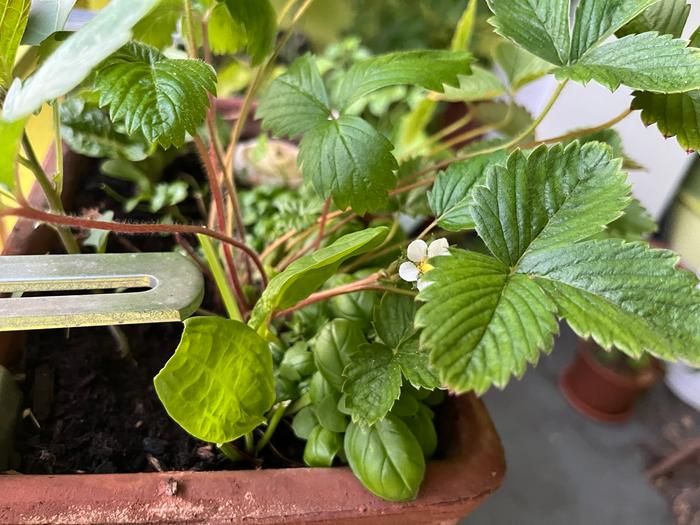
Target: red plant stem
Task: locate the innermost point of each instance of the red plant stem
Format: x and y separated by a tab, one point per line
132	229
322	223
362	284
218	206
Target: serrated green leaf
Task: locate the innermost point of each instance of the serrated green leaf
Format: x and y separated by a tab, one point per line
553	197
348	159
451	196
163	98
372	384
647	61
415	365
259	19
76	57
675	115
623	295
156	29
539	26
598	19
13	20
45	18
10	137
634	225
465	28
482	84
430	69
332	348
307	274
386	458
219	384
393	318
322	447
520	66
304	422
226	35
88	130
295	102
482	324
612	138
667	17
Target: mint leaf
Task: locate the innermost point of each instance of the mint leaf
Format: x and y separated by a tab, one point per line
482	84
646	61
373	383
156	29
161	97
481	323
13	20
520	66
295	102
321	447
667	17
259	19
540	26
553	197
45	18
429	69
306	275
623	295
348	159
219	384
598	19
451	196
332	348
675	115
88	130
386	458
10	137
76	57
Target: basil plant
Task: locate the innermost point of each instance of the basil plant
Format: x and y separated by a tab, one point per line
338	320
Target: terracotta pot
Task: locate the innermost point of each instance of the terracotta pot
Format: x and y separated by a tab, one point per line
600	392
470	468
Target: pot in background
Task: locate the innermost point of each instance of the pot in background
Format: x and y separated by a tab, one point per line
603	393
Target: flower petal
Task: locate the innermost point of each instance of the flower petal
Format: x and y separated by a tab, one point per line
417	250
423	284
408	272
439	247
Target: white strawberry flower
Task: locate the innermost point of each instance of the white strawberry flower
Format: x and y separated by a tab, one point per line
419	253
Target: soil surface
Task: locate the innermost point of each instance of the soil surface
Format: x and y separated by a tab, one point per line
98	412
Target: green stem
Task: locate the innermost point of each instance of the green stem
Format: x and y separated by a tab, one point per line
52	197
271	426
189	25
219	274
249	443
303	401
229	451
58	142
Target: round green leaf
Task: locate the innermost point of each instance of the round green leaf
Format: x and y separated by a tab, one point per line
304	422
332	349
322	447
219	384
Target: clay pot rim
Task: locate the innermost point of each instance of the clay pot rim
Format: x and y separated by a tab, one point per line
635	381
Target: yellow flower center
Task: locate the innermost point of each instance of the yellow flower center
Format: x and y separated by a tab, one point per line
424	266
